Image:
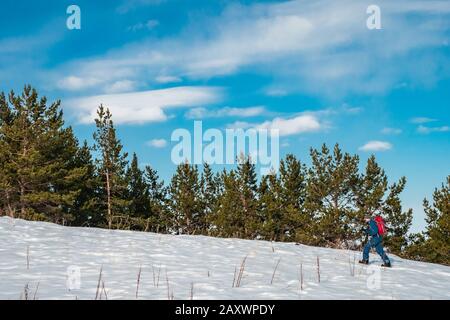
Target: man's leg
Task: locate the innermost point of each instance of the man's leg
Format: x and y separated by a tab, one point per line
366	251
380	251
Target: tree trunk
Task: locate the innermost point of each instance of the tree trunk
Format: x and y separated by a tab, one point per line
22	183
108	192
8	204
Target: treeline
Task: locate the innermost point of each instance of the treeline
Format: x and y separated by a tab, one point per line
47	175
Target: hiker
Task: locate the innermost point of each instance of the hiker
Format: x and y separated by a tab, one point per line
375	230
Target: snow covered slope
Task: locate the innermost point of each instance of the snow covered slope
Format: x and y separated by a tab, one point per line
65	263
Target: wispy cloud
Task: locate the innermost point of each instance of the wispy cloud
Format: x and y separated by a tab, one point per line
157	143
426	130
299	42
391	131
148	25
202	113
285	126
167	79
144	106
74	83
376	146
419	120
121	86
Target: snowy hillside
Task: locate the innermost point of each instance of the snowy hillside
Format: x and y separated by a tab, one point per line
48	261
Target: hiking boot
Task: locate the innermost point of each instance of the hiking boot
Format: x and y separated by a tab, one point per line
387	264
364	261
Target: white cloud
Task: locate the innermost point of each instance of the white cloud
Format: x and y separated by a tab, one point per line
202	113
320	47
121	86
286	126
167	79
296	125
425	130
419	120
157	143
391	131
144	106
149	25
376	146
73	83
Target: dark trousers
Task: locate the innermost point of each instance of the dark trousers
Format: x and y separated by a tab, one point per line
375	242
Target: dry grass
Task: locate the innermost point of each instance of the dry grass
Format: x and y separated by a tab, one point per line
169	293
156	277
28	257
352	265
35	291
274	271
138	281
301	277
318	269
238	278
98	293
25	294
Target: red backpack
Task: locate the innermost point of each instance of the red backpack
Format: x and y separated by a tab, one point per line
381	225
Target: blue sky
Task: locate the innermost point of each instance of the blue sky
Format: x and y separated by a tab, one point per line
312	68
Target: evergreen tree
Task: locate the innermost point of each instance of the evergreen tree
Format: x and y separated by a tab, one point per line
87	202
209	194
111	166
185	199
433	245
39	172
330	186
296	221
370	194
138	193
397	221
228	220
271	208
438	225
157	193
248	188
7	176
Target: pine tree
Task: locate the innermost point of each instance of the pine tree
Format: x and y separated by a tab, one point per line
248	188
296	221
111	166
157	193
330	196
7	176
270	208
39	173
434	244
88	200
185	199
397	221
228	220
209	195
138	193
370	194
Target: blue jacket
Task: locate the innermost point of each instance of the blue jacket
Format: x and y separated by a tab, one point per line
372	229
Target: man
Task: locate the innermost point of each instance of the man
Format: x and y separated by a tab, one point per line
375	241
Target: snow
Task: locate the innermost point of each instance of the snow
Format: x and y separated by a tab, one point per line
65	263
